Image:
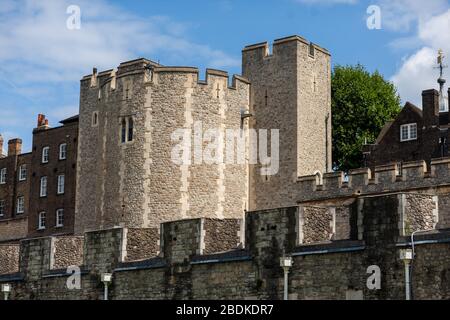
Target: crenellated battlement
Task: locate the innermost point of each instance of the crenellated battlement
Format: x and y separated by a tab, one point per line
151	69
392	177
262	49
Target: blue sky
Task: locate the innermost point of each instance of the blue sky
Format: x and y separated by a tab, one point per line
42	61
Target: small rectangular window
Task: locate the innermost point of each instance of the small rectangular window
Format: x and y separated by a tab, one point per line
20	205
45	154
95	118
312	50
2	208
61	182
41	221
23	172
408	132
43	189
63	151
59	218
3	176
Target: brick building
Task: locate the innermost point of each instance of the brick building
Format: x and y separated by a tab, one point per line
53	178
37	189
416	134
14	190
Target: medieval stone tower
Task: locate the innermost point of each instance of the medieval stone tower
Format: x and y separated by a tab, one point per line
126	176
290	91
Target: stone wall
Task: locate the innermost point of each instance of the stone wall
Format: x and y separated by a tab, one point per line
421	213
141	244
68	251
317	224
331	270
222	235
335	189
9	258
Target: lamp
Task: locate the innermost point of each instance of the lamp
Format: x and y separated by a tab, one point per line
6	289
407	255
286	263
106	278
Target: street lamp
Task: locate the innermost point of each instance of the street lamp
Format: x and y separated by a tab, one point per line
6	289
286	264
407	255
106	278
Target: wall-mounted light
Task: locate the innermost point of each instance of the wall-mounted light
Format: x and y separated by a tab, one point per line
286	263
406	255
106	278
6	289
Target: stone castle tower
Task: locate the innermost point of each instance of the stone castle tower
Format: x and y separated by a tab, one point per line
126	176
125	173
290	91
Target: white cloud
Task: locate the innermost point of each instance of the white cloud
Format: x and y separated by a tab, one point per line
401	15
417	71
37	45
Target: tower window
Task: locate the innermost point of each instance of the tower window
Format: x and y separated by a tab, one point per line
124	131
127	130
95	118
312	50
130	129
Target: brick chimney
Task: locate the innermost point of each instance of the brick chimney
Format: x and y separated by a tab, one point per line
14	147
430	107
42	123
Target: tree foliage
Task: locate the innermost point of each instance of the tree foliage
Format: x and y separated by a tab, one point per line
361	105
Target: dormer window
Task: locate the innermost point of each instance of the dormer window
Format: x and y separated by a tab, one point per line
408	132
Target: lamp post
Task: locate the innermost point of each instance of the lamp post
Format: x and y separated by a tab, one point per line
286	264
407	255
6	289
106	278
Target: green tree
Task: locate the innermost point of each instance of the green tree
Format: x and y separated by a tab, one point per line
361	104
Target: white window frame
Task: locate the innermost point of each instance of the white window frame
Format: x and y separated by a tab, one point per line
63	151
23	172
60	218
61	184
45	154
43	187
41	220
20	205
409	132
2	207
3	173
